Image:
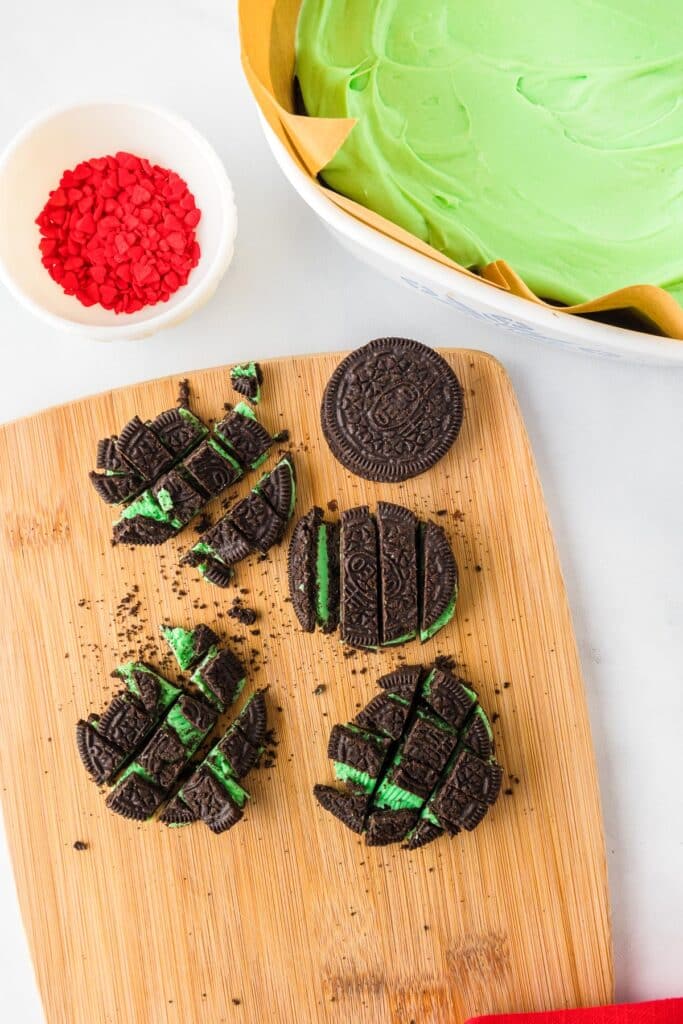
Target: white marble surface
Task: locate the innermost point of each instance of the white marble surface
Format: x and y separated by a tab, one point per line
607	438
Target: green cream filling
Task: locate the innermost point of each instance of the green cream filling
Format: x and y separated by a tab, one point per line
145	506
322	577
391	796
224	454
191	418
259	462
345	773
242	409
428	815
222	769
188	734
181	642
165	500
137	769
443	619
400	639
167	692
484	717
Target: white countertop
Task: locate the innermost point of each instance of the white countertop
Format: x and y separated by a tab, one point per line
607	437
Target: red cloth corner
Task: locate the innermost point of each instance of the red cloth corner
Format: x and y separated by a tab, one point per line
659	1011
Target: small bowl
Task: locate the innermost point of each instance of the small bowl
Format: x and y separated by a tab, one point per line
32	165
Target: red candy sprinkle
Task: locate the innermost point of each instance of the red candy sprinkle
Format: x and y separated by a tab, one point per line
120	232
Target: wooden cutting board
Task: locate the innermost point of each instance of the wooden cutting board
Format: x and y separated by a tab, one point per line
289	917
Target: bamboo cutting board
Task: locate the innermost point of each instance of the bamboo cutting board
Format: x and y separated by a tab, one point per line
289	917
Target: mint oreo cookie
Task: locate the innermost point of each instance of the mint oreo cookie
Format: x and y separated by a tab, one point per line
246	379
383	579
408	773
391	409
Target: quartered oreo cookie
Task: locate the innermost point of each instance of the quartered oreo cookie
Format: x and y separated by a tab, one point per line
244	436
409	774
140	448
246	379
116	488
384	579
391	409
179	430
220	677
177	497
212	468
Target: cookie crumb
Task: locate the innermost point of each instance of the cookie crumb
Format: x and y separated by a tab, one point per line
80	845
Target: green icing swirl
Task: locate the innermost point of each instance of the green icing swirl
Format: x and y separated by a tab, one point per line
547	135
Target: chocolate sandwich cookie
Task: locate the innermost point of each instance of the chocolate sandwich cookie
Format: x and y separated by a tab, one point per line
189	645
145	522
220	677
391	409
257	522
107	741
410	773
301	568
359	579
140	448
213	793
116	482
146	781
398	572
439	580
246	379
177	497
179	430
278	488
243	435
108	459
211	467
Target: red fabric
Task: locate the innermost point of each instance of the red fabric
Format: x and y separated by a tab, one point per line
662	1011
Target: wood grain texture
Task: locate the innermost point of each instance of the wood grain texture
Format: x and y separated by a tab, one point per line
289	913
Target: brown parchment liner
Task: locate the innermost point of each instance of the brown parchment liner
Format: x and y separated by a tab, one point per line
267	31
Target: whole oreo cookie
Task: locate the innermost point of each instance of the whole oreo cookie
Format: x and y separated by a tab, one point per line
391	409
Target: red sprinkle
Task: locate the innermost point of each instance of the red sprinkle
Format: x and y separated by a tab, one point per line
120	232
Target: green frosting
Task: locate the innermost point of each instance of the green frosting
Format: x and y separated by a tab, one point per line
546	134
167	692
222	769
242	409
322	577
188	734
400	640
181	642
146	506
165	500
345	773
136	769
389	795
443	619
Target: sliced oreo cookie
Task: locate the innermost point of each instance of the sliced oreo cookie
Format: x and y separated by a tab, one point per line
347	805
424	832
429	742
398	572
386	714
257	522
223	542
391	409
142	532
179	430
475	778
108	458
189	645
101	759
301	568
126	722
163	757
359	579
253	719
116	488
449	697
478	735
212	467
135	798
403	681
354	748
241	744
246	379
217	573
244	436
439	580
177	812
388	826
140	447
407	783
220	677
211	801
278	488
177	497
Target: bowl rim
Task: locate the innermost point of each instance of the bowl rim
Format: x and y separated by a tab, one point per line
580	333
143	327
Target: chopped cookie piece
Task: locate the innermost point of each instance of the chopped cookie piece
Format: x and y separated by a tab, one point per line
389	826
144	522
439	581
301	568
398	572
220	677
358	756
179	430
215	572
246	438
478	735
212	467
391	409
177	497
386	714
449	697
221	542
255	520
189	645
402	681
246	379
140	447
278	488
108	458
359	579
347	805
116	488
429	741
218	805
135	798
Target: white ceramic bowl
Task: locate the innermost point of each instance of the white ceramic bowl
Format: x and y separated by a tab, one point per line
475	299
31	166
